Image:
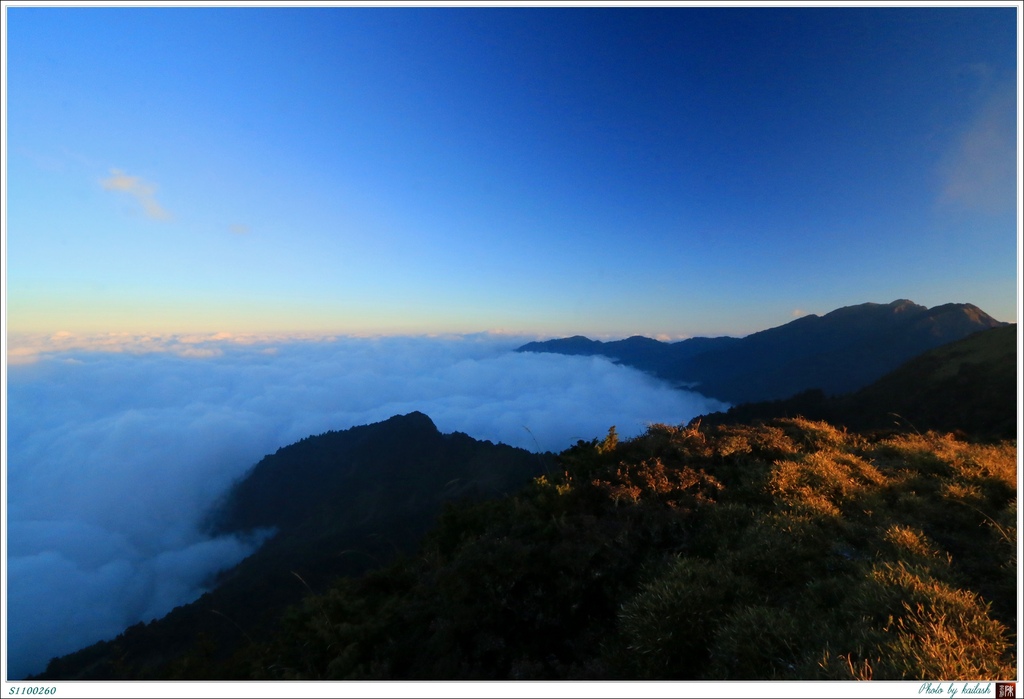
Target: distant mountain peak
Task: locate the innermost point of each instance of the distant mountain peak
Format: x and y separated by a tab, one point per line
322	470
838	352
897	307
413	419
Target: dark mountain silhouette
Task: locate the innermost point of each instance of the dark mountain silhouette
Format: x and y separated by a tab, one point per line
367	474
839	352
341	503
968	386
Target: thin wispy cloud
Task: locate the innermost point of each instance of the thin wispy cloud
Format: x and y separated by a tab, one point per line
980	171
239	229
27	348
143	192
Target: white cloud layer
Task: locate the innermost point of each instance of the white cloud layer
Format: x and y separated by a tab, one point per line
114	457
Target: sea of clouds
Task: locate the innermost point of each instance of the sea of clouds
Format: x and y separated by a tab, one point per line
117	447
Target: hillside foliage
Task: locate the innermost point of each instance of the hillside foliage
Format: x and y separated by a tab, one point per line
968	387
784	550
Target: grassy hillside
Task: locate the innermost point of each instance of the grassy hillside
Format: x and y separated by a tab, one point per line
968	386
789	550
776	548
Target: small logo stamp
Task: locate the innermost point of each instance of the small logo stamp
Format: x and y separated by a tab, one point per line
1006	690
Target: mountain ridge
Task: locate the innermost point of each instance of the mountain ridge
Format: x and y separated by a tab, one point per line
340	503
841	351
968	386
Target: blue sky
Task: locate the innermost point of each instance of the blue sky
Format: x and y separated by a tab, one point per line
606	171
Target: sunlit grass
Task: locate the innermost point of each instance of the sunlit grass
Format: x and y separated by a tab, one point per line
792	550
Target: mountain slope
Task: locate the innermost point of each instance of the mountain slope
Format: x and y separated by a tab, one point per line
968	386
660	358
369	472
839	352
789	550
341	503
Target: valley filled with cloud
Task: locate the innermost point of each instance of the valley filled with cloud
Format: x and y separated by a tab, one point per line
118	446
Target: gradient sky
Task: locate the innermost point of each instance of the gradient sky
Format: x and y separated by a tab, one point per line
606	171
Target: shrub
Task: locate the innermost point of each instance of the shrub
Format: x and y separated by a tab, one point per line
756	642
666	629
914	626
